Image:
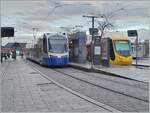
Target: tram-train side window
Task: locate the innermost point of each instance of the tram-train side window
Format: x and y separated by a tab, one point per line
112	54
45	45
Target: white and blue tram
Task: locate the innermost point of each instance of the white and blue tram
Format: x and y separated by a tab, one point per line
51	50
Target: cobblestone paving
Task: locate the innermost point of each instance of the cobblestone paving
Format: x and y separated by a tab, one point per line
25	90
118	101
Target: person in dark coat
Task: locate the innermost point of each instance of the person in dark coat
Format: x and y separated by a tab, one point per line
2	54
14	54
8	54
5	56
22	54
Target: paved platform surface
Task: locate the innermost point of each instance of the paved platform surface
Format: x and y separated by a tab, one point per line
142	61
25	90
124	71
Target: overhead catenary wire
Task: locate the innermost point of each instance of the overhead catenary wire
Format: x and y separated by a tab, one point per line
115	12
51	12
57	5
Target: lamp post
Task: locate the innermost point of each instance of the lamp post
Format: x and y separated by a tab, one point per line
92	52
35	29
137	46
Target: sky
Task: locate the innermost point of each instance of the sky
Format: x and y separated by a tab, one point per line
60	15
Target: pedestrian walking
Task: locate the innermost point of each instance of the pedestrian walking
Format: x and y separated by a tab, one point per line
8	54
5	56
22	54
14	54
2	54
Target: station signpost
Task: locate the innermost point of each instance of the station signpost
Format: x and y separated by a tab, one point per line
92	17
7	32
133	33
97	51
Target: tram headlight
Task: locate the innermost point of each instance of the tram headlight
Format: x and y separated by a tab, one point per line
52	56
59	56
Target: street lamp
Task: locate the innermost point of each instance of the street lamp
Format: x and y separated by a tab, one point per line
92	52
35	29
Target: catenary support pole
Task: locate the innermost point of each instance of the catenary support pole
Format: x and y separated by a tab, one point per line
92	44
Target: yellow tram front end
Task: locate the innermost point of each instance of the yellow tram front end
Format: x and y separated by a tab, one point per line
120	51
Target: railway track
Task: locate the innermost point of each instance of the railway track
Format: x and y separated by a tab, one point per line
98	92
91	74
97	85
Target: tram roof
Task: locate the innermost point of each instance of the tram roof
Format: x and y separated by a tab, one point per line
50	35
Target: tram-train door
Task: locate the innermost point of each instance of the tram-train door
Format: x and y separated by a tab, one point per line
45	46
74	50
112	53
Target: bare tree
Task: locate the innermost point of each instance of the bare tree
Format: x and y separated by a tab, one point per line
103	25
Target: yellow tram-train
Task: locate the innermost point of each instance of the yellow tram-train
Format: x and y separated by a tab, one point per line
120	51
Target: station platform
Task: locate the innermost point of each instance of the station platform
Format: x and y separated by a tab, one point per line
130	72
142	62
25	90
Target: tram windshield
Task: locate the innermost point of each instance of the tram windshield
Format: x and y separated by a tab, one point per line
58	45
122	47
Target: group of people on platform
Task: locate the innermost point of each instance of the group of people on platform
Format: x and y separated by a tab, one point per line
10	54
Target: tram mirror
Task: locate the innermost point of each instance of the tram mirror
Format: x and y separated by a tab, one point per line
132	33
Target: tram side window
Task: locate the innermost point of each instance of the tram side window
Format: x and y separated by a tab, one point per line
112	54
45	45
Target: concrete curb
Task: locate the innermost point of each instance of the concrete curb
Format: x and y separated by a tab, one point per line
141	65
100	71
80	67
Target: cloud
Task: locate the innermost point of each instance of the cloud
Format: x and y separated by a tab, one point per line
67	12
26	14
